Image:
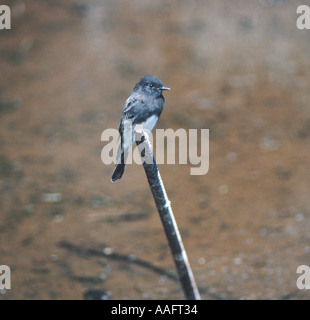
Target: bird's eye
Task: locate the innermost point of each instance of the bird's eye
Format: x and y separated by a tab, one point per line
151	85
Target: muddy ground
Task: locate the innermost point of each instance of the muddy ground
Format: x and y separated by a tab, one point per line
238	68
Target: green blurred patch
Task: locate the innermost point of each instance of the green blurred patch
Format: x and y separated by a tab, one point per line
97	201
6	167
9	168
9	105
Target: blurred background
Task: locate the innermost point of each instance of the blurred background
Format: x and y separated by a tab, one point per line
238	68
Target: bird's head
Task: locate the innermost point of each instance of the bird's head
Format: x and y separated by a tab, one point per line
150	85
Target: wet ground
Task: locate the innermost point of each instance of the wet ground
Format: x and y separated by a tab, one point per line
240	69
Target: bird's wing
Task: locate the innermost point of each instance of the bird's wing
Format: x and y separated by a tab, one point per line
133	102
130	113
130	110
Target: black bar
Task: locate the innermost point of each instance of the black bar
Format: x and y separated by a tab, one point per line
165	211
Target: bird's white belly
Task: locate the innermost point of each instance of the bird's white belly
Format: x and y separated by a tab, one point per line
150	123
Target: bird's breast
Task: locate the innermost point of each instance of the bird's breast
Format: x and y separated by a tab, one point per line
150	122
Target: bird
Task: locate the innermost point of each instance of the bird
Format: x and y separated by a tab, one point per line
144	107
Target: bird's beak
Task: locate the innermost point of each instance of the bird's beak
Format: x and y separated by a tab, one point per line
165	88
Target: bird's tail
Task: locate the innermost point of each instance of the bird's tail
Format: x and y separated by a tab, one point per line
121	163
118	171
122	154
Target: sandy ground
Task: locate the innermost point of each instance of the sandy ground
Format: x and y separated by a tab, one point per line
239	68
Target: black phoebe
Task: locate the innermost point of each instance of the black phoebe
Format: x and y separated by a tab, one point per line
144	107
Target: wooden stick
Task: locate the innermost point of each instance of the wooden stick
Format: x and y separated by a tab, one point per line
165	211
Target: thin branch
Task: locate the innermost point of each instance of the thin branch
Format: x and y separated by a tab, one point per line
165	211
